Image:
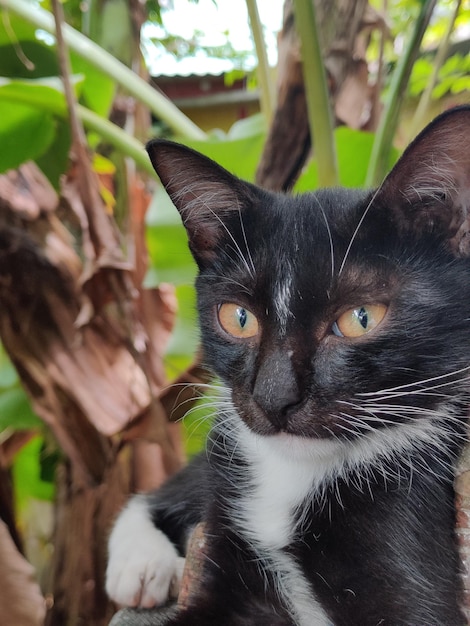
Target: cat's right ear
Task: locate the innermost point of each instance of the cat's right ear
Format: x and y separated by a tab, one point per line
204	193
428	190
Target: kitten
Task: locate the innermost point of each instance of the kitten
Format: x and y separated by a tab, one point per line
339	325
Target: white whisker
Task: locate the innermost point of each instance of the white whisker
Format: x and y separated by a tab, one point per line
330	238
421	383
246	242
354	235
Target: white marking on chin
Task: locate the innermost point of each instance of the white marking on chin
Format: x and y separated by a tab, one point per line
144	568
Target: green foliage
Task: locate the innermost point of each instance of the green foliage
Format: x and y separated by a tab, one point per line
33	472
402	15
26	134
15	409
52	160
8	375
182	47
453	77
32	103
97	88
33	468
354	149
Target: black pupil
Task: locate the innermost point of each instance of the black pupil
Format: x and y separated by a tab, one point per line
242	317
363	318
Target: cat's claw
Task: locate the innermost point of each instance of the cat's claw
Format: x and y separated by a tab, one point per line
144	568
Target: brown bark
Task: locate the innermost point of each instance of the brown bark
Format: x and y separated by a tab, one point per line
462	489
21	602
80	538
87	344
289	142
193	567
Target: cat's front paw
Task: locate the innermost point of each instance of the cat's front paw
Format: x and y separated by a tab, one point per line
144	568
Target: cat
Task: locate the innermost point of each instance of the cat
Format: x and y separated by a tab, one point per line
338	323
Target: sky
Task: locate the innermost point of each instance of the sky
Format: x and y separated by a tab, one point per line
213	18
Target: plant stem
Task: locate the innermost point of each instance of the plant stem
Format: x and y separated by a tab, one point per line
441	54
121	140
78	134
381	149
316	89
267	92
163	108
375	112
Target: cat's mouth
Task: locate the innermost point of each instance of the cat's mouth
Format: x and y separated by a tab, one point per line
340	420
306	420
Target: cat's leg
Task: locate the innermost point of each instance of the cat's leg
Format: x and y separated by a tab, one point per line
144	567
224	586
147	543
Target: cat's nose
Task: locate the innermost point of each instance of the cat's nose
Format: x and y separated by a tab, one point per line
276	389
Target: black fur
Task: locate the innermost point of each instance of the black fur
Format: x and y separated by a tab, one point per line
375	544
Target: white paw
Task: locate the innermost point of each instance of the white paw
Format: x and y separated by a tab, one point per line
144	568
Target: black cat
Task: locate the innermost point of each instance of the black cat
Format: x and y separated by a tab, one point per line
338	323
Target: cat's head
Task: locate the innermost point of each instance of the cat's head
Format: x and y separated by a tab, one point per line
337	313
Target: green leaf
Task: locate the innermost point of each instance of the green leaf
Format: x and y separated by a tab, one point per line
251	126
23	56
169	254
196	426
239	156
420	75
354	148
8	375
15	29
185	337
460	84
27	470
54	161
45	93
25	133
38	100
97	92
16	411
28	59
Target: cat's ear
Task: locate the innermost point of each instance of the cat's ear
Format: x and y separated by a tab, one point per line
428	190
205	194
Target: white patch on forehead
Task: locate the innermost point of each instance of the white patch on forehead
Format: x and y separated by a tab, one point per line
283	290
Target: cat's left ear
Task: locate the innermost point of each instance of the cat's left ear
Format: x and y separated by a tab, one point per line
205	194
428	190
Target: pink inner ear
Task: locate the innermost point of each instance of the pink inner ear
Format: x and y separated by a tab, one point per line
205	205
203	239
429	187
204	193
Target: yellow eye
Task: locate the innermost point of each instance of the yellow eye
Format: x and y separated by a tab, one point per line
360	320
237	321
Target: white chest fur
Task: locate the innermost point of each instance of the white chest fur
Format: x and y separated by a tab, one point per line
285	472
277	486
